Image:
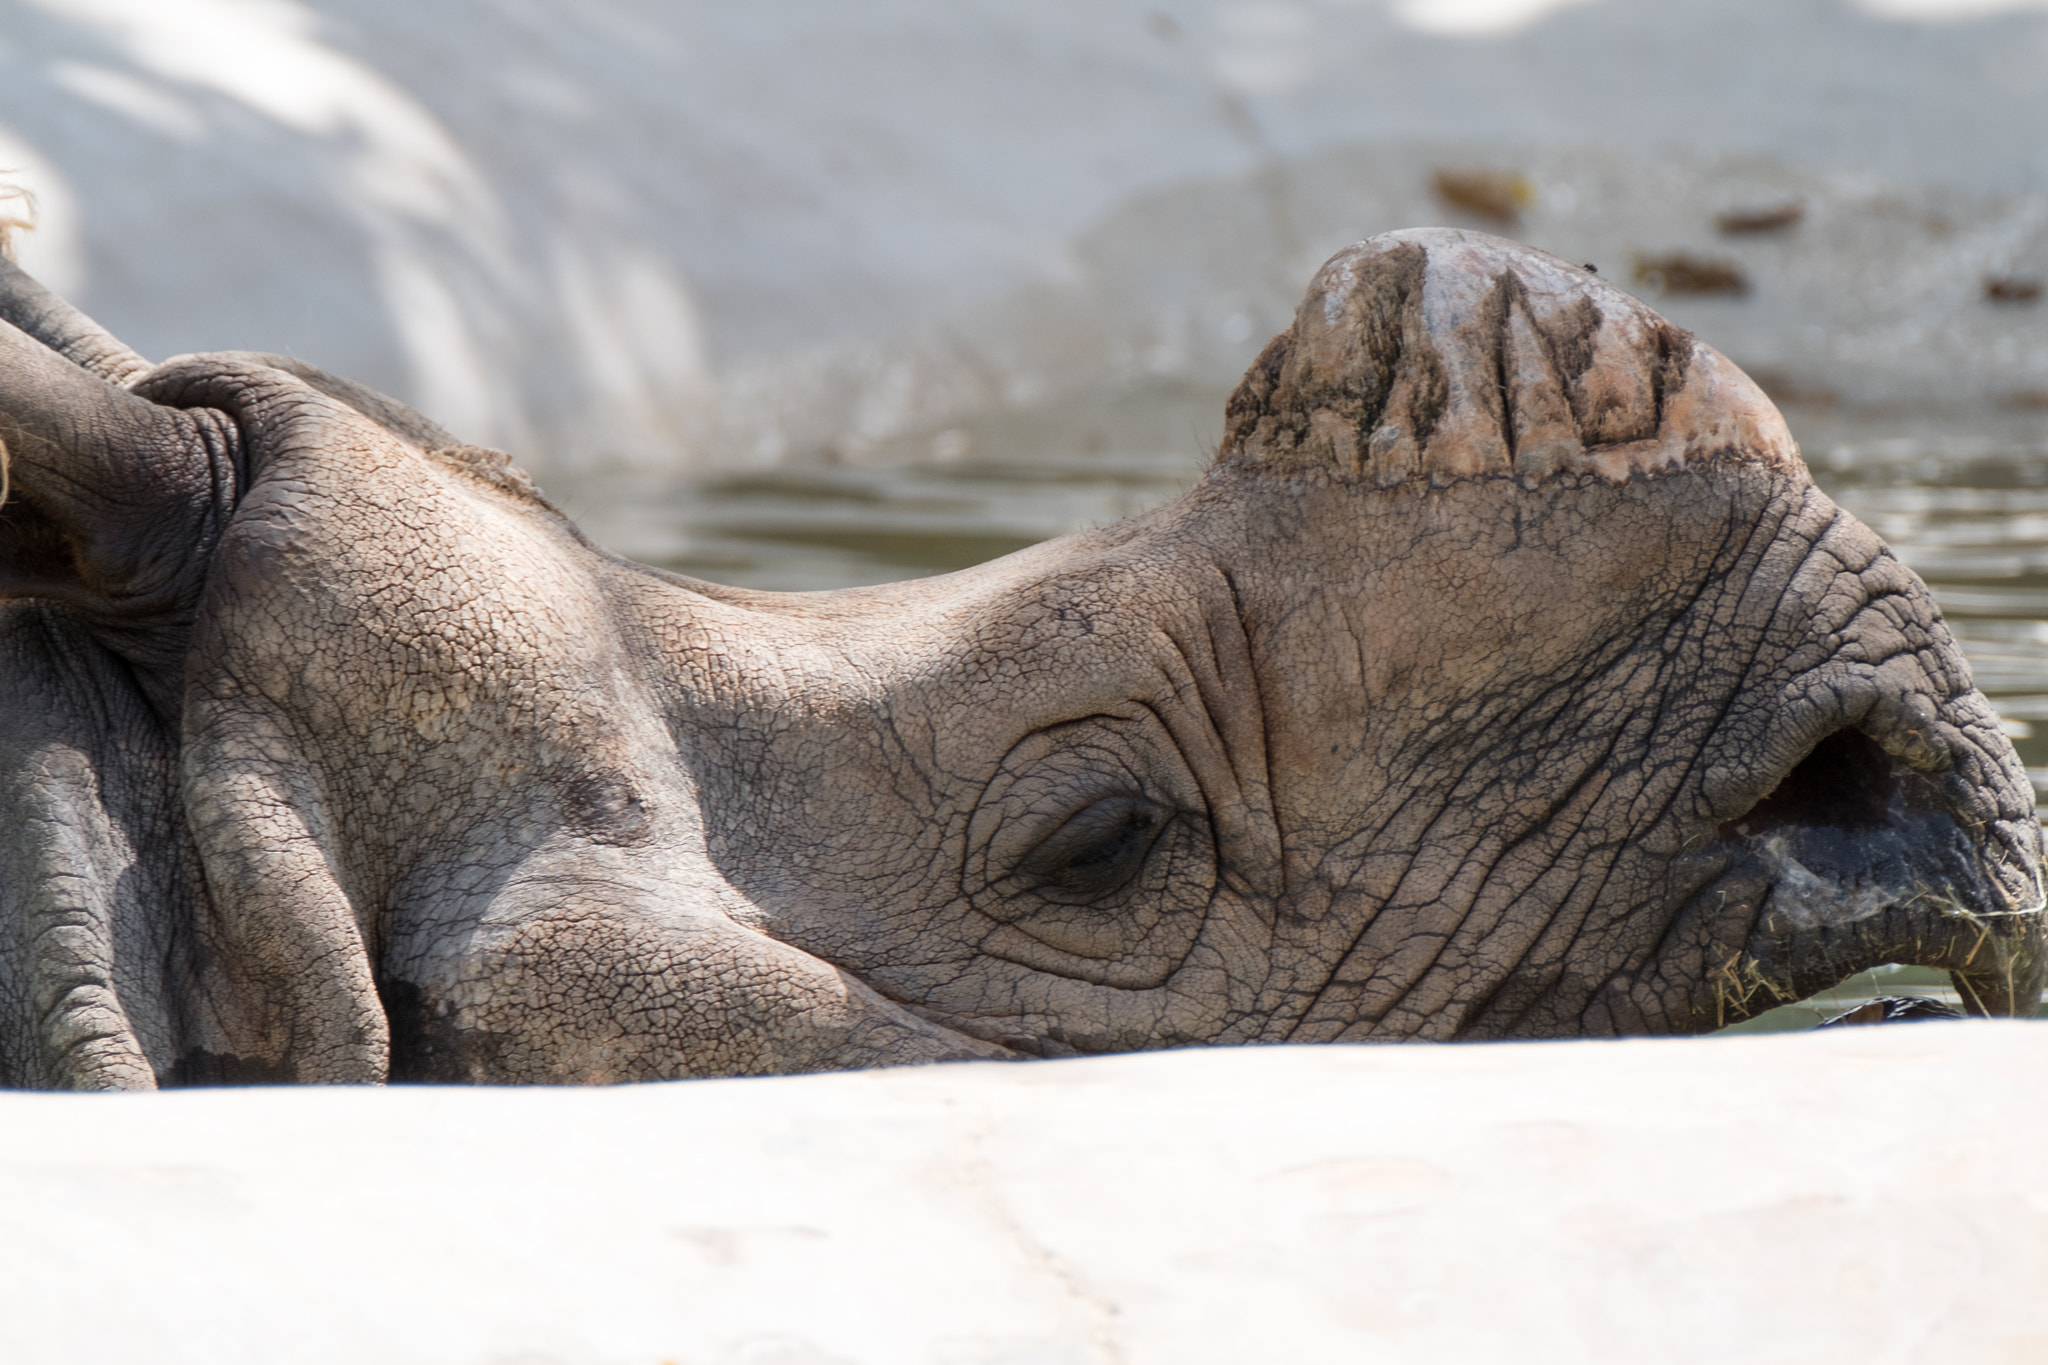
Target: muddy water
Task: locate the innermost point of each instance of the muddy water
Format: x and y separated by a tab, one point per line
1963	498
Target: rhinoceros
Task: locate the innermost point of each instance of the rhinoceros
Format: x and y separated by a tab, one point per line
1505	676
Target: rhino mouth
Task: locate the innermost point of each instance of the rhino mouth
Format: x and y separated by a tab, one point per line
1858	858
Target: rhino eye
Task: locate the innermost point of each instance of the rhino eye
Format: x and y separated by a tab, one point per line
1091	853
1098	849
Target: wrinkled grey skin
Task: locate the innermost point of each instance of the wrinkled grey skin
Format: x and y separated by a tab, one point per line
1505	677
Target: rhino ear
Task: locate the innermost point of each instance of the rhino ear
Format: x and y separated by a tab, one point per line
79	444
35	311
113	500
1442	354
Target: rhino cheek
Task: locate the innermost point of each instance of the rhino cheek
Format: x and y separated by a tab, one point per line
593	983
1463	740
1503	802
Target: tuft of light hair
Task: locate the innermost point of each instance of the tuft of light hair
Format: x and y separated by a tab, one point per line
17	214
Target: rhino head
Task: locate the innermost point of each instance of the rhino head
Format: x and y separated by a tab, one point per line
1505	676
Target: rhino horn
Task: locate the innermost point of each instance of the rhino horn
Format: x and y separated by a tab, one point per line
1447	354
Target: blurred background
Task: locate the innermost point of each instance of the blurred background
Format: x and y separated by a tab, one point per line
674	255
817	293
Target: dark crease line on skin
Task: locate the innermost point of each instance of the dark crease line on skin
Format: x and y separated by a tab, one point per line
1602	769
1575	930
1200	701
1733	553
1269	800
1486	1003
1445	808
1763	632
1486	871
1599	768
1664	694
1678	913
1208	816
1559	692
1902	593
79	488
1358	640
1562	691
1612	744
1550	992
1508	289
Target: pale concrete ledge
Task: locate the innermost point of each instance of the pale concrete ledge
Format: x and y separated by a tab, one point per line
1869	1196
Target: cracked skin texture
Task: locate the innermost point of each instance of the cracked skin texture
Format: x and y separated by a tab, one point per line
1506	676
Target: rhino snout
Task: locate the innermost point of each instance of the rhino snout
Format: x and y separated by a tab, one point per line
1860	856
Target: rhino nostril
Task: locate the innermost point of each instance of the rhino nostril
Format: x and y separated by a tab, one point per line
1847	782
